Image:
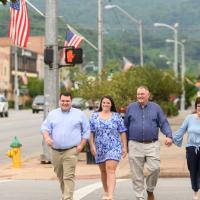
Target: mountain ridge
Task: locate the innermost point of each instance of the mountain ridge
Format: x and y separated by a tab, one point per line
84	13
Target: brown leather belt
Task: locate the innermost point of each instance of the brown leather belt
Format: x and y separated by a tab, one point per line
146	141
61	150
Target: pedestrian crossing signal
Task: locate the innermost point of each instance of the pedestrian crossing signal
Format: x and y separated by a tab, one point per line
48	56
74	56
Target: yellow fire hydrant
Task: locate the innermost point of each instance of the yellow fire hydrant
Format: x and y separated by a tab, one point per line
15	153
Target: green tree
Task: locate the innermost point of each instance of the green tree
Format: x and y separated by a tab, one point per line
190	90
5	1
92	87
122	87
35	87
113	65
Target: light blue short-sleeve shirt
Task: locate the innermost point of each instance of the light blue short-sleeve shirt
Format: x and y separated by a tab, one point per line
66	129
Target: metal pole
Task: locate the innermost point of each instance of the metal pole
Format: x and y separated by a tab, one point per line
182	107
36	9
141	44
174	28
176	52
70	27
51	84
51	77
139	22
100	35
16	86
182	100
86	40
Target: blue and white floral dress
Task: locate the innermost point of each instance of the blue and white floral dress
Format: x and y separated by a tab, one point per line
107	136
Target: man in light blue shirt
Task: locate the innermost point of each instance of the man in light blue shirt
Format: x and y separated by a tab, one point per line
65	130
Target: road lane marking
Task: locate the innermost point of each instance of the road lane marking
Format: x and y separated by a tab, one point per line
82	192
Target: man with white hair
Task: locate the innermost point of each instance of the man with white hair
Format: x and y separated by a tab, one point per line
143	120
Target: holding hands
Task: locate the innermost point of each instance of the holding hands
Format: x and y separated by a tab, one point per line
168	141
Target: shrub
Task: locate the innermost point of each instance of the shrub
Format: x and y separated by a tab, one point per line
169	108
11	104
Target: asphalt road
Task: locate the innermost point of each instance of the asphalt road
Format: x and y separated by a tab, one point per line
167	189
25	126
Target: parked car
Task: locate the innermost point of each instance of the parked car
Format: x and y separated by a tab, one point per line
3	106
38	104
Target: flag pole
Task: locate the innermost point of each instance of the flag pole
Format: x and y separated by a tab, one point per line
31	5
76	32
16	86
70	27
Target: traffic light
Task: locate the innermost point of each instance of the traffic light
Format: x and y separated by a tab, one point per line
48	55
73	56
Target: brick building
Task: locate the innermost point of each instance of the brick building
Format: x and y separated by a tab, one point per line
30	62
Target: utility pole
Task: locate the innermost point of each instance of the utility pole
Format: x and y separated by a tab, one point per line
100	35
182	107
141	43
175	51
51	76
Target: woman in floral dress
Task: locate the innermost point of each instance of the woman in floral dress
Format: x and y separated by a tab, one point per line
107	142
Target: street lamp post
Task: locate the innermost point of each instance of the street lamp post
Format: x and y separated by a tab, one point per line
139	22
182	106
174	28
100	36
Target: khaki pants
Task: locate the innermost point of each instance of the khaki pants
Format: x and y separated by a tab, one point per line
64	166
144	154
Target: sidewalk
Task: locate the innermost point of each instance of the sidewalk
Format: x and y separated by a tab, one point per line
173	163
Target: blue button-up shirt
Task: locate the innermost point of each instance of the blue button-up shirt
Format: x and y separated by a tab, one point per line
67	129
143	122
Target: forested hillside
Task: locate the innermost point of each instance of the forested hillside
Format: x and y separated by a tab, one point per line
84	13
122	37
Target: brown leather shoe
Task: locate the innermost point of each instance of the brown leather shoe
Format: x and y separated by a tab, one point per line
150	196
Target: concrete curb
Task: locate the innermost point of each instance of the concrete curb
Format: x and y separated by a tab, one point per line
33	170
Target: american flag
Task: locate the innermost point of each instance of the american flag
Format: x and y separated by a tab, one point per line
127	64
19	27
72	39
